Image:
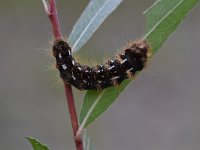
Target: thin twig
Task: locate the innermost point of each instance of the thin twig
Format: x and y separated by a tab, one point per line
51	11
73	116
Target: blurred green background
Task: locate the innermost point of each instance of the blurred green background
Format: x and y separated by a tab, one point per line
158	111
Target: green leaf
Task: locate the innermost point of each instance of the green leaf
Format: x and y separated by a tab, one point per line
36	144
162	17
89	100
91	19
95	104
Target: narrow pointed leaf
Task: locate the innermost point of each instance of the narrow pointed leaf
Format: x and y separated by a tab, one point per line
102	102
89	100
36	144
91	19
162	19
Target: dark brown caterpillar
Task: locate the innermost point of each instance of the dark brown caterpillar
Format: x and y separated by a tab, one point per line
113	72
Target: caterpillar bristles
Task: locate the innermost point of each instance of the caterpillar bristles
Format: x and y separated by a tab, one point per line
133	59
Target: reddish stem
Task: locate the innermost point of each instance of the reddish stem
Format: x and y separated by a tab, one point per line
51	11
73	116
54	20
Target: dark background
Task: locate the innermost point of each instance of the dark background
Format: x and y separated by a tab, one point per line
158	111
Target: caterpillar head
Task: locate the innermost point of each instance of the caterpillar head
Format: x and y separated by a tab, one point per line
61	49
137	54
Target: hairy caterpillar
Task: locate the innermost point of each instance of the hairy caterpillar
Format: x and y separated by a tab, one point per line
113	72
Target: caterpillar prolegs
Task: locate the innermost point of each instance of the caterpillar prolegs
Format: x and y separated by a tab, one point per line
99	77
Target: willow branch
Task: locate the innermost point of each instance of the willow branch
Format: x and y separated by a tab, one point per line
51	11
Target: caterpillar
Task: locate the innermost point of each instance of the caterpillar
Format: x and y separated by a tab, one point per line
99	77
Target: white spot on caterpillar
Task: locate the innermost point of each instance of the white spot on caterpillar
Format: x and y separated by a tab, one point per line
84	81
73	77
60	55
69	52
73	62
79	68
116	77
124	61
111	67
64	66
98	71
130	69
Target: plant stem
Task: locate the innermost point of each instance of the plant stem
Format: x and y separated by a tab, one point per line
51	11
73	116
54	20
